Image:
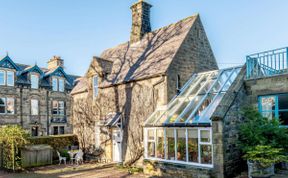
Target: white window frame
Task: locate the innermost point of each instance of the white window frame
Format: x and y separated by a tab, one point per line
34	78
95	86
6	106
199	164
37	106
13	78
58	108
4	77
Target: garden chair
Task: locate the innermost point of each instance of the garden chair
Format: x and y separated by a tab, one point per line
72	157
79	157
61	158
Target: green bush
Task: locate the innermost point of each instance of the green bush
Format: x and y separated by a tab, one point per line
57	142
12	139
64	153
257	130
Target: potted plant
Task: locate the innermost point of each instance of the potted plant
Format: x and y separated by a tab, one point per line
262	158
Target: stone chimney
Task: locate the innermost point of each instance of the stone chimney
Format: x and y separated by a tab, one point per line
140	20
55	62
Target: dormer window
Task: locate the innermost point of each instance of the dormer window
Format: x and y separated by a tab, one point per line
58	84
34	81
95	86
6	78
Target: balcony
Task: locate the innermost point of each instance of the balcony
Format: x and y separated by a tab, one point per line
58	120
266	64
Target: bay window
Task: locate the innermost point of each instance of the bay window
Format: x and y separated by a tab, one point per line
275	106
7	106
58	108
189	145
34	81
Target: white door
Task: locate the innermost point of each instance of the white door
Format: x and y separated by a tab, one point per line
117	146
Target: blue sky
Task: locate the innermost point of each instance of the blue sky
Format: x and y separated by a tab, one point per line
35	30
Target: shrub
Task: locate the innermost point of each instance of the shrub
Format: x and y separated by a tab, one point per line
57	142
12	138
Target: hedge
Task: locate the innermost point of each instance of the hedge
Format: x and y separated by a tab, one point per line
57	142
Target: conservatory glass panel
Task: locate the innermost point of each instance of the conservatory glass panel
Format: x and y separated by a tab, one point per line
193	145
206	154
181	145
211	108
190	108
151	143
170	141
205	136
160	152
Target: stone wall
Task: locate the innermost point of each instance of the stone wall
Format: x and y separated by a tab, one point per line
195	55
162	169
23	117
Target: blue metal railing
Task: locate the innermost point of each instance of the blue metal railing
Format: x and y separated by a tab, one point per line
267	63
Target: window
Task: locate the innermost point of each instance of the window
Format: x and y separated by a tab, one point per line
34	81
178	84
58	130
54	84
61	85
58	108
2	77
10	78
7	106
34	131
191	146
95	86
34	107
275	106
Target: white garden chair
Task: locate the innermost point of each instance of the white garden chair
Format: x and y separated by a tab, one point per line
79	157
61	158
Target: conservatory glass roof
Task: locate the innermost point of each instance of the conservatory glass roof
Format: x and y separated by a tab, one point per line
197	100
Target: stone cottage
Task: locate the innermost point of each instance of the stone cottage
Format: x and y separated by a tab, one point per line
128	82
36	98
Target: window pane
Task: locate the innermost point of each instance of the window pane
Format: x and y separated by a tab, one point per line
95	85
283	117
151	135
193	145
205	136
55	130
268	103
151	149
55	108
283	102
2	78
34	131
61	85
34	82
34	107
10	78
61	107
206	154
270	115
160	144
61	130
10	105
55	84
181	145
170	144
2	105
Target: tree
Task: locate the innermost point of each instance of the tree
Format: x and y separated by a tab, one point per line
12	138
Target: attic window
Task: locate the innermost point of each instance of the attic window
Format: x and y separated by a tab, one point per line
34	81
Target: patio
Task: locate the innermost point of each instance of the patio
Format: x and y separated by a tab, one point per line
90	170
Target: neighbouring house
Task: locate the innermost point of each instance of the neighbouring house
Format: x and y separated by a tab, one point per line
38	99
127	83
196	134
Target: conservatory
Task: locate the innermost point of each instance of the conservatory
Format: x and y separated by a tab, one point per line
182	132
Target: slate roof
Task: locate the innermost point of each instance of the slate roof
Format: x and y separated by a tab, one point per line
44	82
149	57
81	86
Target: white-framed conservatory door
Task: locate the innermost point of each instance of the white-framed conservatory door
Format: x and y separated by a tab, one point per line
117	145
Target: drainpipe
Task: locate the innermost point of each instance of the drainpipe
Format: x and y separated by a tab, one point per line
47	109
153	91
21	106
